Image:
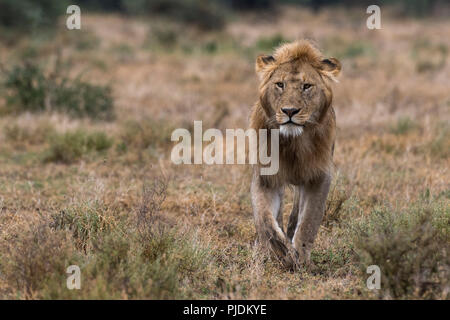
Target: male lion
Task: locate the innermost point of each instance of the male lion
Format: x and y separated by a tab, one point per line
295	97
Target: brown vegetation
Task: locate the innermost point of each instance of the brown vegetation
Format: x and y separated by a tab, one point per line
70	195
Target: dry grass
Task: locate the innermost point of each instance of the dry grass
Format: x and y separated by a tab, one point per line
136	233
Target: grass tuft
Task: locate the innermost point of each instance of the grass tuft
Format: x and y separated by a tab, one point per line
403	126
71	146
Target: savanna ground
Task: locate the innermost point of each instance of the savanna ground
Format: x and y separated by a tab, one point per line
103	193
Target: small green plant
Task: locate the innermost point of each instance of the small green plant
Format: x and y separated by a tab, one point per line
403	126
356	49
166	36
269	43
210	47
71	146
85	41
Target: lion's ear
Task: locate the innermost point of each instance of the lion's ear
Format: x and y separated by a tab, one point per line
331	66
262	61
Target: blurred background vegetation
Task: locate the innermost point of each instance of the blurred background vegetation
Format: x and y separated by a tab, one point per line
26	15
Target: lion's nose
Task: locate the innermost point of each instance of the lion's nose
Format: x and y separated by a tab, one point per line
290	111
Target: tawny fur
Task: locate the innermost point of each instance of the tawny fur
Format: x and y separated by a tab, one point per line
305	159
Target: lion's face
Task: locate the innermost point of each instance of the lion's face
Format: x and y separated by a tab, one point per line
296	92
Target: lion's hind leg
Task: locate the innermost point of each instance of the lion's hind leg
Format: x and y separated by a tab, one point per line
311	211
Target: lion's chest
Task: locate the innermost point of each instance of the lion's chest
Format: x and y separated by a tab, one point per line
300	164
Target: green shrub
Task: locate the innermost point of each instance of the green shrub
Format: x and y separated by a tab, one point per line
71	146
28	88
98	141
81	99
165	36
67	148
410	247
203	14
29	15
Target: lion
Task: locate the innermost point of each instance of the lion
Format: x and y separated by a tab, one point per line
295	96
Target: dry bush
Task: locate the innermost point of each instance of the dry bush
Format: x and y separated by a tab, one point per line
145	133
33	258
22	136
340	192
132	256
411	248
149	220
429	57
440	145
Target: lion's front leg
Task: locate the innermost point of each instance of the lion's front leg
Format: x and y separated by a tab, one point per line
293	217
311	211
266	204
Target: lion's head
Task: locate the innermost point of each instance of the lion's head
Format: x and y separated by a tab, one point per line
295	91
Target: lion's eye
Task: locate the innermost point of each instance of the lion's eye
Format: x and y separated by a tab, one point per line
280	85
306	86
